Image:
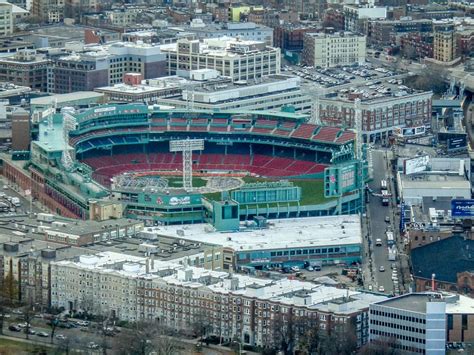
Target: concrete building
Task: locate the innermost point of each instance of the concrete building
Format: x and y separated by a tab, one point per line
237	59
412	323
122	17
231	306
269	93
247	31
6	19
339	241
88	232
103	66
330	50
413	188
355	16
25	68
382	112
50	11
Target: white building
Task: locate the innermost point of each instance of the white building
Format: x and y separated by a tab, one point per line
237	59
268	93
230	305
329	50
414	323
248	31
6	18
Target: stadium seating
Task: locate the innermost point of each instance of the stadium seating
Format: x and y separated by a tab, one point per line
105	167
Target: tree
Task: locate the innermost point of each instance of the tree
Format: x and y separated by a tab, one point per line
28	314
409	52
145	338
201	326
53	324
431	78
380	347
3	311
10	290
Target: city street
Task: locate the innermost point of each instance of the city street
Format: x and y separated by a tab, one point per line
376	214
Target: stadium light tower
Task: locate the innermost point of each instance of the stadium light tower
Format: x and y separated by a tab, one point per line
69	124
187	146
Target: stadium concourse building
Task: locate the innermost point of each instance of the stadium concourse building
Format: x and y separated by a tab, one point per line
114	161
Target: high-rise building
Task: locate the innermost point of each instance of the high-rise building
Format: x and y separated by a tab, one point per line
444	44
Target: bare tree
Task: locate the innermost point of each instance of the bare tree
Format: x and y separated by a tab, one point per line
201	326
28	314
145	338
380	347
3	311
53	324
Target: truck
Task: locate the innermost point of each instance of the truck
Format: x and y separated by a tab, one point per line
45	217
392	253
16	202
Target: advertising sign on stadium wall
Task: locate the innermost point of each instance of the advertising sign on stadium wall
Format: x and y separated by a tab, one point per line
462	208
169	200
416	165
340	179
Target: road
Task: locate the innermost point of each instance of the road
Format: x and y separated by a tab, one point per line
80	338
376	215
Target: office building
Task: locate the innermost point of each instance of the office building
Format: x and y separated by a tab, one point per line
330	50
412	323
289	37
269	93
382	112
6	19
104	66
50	11
25	68
247	31
232	306
355	16
237	59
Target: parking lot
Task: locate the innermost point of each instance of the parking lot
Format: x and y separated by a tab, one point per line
345	75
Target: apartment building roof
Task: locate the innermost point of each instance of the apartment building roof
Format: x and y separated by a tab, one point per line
284	291
282	233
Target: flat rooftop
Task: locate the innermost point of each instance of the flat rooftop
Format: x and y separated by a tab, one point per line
284	291
281	233
66	98
434	181
414	302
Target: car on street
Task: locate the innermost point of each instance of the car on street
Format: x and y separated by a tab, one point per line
378	242
381	289
382	268
387	219
393	266
93	345
60	336
14	328
30	331
42	334
22	325
82	323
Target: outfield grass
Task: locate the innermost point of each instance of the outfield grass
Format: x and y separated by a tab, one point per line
312	190
178	181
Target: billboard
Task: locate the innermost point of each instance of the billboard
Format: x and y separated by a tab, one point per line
457	142
416	165
340	179
410	131
462	208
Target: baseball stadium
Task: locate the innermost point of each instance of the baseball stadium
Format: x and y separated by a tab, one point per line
168	166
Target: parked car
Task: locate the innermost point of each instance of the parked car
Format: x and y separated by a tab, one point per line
382	268
14	328
43	334
60	337
381	289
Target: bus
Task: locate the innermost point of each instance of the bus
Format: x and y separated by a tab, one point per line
383	185
385	198
390	239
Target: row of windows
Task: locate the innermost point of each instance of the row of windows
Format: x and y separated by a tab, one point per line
398	336
398	326
308	251
398	316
